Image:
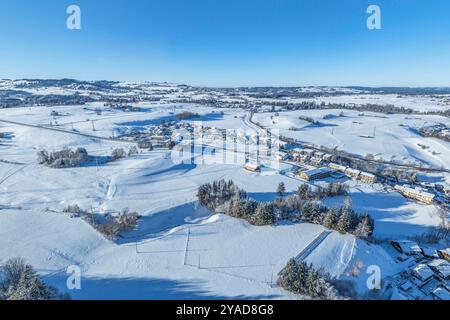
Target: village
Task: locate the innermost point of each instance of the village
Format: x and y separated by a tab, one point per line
426	274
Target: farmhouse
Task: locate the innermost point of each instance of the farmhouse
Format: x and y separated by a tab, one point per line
316	174
367	177
406	247
416	194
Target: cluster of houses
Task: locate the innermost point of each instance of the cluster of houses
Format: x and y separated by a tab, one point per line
428	274
417	193
158	136
317	158
365	177
311	156
315	174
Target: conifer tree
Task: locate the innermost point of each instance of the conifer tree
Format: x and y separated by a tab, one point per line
281	190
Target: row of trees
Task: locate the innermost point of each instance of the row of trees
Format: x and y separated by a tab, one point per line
333	189
342	219
63	159
228	198
19	281
301	278
187	115
108	225
216	194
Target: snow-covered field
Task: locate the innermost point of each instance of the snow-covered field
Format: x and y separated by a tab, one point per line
180	250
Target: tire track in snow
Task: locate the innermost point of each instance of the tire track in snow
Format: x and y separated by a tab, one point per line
12	172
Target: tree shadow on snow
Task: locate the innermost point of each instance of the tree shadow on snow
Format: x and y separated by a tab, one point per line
159	223
143	289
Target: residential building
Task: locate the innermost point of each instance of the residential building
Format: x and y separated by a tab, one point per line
441	268
315	174
406	247
441	294
422	272
416	194
337	167
353	173
367	177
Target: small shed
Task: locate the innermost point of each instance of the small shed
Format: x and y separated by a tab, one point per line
406	247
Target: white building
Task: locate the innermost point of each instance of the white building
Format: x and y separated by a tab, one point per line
416	194
316	174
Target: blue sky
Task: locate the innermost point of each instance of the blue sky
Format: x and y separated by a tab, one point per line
229	42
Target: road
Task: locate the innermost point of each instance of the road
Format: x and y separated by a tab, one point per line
41	127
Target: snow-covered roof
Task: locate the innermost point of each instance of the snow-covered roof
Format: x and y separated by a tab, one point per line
367	174
442	266
408	246
314	172
445	251
337	166
352	171
442	294
251	165
430	252
423	272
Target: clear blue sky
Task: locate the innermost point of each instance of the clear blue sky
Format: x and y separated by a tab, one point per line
229	42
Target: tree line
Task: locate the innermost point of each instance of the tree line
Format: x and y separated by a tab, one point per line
68	158
302	279
19	281
108	225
